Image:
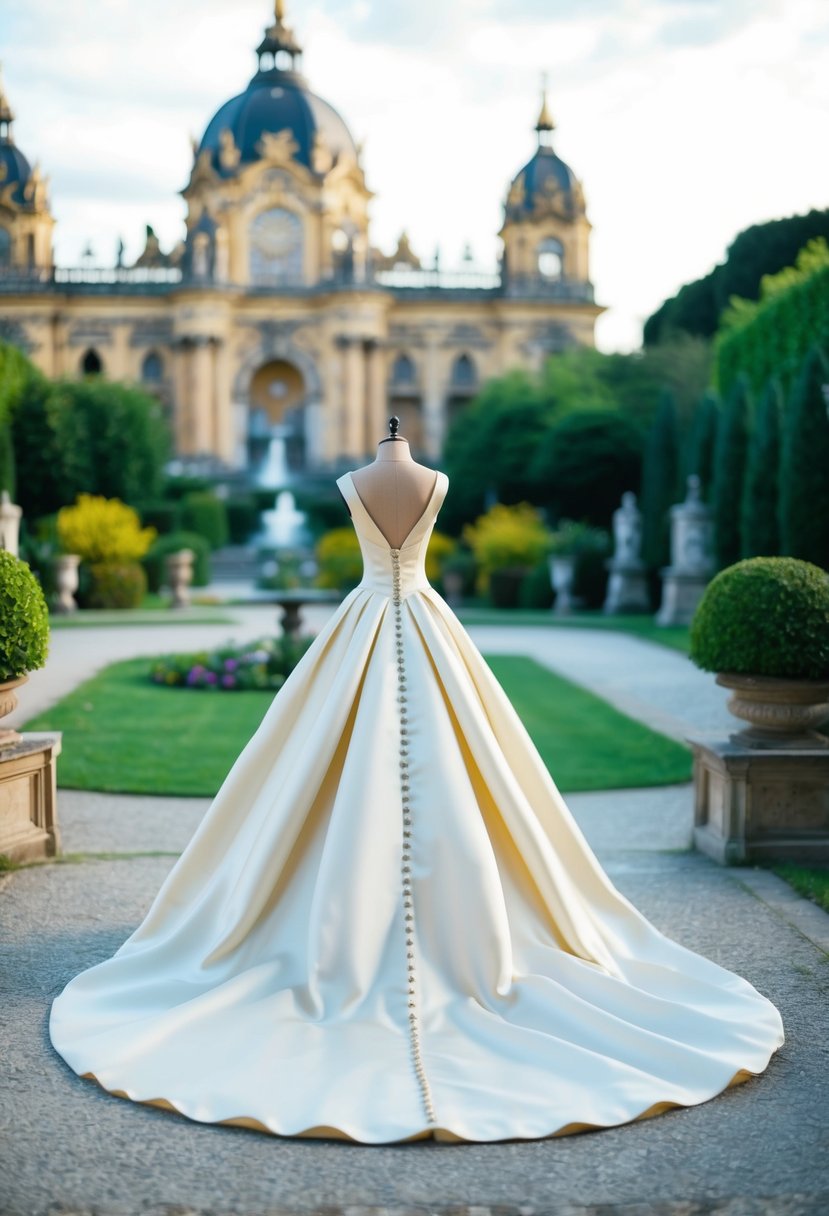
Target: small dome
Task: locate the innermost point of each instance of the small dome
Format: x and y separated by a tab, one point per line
275	101
545	184
14	170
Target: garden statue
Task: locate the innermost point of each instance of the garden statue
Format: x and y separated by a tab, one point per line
692	558
627	588
10	515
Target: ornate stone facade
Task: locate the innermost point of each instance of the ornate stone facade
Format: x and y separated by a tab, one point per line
275	310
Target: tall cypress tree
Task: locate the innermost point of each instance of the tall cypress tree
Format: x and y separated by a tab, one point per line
729	474
804	469
700	448
660	481
760	533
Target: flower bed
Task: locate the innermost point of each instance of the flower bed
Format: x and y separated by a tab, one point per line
264	664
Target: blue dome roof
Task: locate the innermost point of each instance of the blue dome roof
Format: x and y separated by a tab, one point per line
545	183
276	100
14	169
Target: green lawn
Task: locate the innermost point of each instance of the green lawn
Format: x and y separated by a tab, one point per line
125	734
809	881
641	626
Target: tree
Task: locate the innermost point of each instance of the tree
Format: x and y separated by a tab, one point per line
90	436
760	533
699	457
585	463
804	470
759	250
660	482
729	474
490	447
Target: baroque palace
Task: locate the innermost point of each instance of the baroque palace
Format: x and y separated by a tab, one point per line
275	314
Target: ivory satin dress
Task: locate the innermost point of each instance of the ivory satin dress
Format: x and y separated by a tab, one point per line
388	925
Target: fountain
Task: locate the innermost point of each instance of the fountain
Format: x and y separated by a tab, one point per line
283	525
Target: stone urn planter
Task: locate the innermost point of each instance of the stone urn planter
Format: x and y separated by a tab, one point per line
28	784
179	567
780	713
66	581
8	704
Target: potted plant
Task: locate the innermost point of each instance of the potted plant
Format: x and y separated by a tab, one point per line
763	627
24	633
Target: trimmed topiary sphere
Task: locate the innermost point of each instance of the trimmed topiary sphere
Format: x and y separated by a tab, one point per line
767	616
24	619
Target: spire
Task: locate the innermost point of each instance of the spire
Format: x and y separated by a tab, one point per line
6	116
545	125
279	42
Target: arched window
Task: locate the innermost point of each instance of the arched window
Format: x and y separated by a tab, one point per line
5	247
91	364
551	258
463	372
276	247
403	371
152	368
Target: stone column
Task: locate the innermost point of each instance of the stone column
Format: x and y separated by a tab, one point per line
182	396
376	419
202	396
223	421
433	403
354	397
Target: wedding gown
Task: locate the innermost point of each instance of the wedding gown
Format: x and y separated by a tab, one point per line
388	925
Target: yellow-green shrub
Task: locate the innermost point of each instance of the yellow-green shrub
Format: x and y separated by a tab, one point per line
103	530
506	538
339	559
440	548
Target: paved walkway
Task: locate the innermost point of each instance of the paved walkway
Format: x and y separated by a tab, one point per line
67	1146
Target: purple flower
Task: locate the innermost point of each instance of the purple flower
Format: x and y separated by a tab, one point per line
211	677
229	681
231	664
193	676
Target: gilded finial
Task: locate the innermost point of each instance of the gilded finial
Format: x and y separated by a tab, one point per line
279	11
545	118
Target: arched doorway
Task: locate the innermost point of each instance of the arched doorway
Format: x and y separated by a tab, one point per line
276	428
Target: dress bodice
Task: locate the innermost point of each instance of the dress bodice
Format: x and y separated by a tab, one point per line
379	557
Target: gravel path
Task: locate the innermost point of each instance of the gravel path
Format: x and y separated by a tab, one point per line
67	1146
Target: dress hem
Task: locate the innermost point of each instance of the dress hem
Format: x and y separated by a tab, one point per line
437	1133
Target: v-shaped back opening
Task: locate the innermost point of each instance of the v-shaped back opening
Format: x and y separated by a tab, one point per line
423	515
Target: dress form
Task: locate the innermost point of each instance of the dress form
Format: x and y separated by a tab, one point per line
394	489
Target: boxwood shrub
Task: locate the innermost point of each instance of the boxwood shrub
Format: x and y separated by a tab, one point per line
24	619
766	616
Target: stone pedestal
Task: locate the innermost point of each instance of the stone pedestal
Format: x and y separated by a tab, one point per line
692	563
28	798
753	804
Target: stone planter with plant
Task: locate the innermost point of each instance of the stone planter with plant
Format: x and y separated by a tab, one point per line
24	634
763	627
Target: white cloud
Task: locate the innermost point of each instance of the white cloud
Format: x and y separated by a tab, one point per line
686	120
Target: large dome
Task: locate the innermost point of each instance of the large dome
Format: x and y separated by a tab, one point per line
277	99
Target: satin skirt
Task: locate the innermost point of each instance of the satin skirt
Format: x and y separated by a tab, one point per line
267	985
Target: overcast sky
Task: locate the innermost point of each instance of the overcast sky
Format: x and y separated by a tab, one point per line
686	120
